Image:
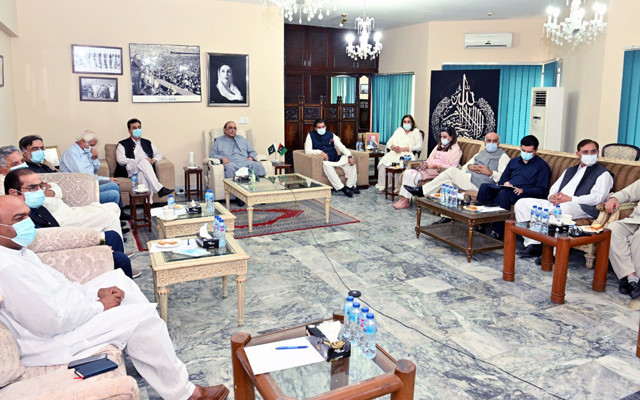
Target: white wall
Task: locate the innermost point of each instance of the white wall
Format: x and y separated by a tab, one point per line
8	29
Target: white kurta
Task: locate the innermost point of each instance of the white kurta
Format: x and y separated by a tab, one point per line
412	140
141	166
55	321
624	252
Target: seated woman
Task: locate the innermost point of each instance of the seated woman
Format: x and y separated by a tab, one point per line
406	139
446	155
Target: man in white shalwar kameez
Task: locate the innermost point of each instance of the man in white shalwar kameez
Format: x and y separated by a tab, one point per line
54	320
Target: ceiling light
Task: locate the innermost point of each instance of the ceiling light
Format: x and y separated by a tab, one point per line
364	50
310	8
575	29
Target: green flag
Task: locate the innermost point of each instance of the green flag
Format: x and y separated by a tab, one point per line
272	149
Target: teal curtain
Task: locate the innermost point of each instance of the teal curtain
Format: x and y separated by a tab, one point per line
550	74
391	100
514	106
629	123
344	86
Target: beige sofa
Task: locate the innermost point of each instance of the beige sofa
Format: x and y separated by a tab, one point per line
77	189
311	166
77	253
164	169
213	169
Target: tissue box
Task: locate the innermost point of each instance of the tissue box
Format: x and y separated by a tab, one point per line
207	243
197	209
330	351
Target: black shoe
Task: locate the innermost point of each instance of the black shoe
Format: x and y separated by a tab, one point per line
355	190
443	220
624	286
125	230
122	224
533	250
239	202
347	192
164	192
496	235
124	216
634	290
124	239
479	228
414	190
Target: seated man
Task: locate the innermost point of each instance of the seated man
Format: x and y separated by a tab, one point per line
324	143
235	152
524	176
624	252
10	159
32	148
485	167
136	155
54	320
578	190
82	157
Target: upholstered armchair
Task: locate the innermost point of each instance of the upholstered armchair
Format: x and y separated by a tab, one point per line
213	168
310	165
77	253
77	189
165	170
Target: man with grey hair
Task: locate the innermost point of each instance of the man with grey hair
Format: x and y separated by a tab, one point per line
10	159
82	157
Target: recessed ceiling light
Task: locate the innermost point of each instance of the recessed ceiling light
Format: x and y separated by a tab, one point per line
490	14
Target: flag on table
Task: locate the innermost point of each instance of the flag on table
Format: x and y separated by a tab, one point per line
282	150
272	149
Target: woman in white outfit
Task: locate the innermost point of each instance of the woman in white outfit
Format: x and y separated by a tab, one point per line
404	141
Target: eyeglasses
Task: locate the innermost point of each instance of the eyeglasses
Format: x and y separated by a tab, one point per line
34	188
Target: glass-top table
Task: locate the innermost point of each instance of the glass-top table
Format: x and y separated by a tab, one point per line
189	224
276	189
348	378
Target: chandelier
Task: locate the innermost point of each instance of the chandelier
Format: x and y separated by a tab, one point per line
575	29
310	8
364	49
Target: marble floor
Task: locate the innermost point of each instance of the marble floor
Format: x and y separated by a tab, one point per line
470	334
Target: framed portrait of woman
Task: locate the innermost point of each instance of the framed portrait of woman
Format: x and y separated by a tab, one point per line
228	79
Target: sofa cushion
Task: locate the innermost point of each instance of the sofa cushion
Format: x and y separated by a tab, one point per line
10	368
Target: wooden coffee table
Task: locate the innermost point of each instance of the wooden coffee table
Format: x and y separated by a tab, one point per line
277	189
354	378
169	268
562	244
459	233
189	224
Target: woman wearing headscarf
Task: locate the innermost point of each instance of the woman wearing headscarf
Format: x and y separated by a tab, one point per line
225	84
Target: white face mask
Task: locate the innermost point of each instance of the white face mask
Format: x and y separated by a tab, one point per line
321	131
589	159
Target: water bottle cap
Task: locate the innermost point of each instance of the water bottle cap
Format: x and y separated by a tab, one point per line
356	305
369	315
546	209
365	309
349	298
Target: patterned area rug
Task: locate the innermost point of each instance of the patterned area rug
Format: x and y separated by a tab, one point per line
269	219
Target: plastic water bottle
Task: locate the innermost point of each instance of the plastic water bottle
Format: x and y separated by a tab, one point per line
363	316
171	202
369	337
538	219
346	309
222	239
215	225
354	323
532	220
208	196
134	181
445	195
454	197
544	223
557	215
252	176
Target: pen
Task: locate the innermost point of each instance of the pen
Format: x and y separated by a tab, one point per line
290	347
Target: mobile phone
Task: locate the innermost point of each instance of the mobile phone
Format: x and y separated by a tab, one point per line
81	361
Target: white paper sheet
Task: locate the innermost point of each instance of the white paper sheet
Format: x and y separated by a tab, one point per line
184	245
490	209
265	358
157	212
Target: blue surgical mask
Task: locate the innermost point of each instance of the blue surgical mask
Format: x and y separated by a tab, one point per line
444	141
34	199
23	165
37	156
406	127
321	131
25	232
526	156
88	149
492	147
137	133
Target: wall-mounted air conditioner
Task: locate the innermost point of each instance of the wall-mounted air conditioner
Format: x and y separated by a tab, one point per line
547	108
486	40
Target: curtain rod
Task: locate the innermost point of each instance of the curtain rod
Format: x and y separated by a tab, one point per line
506	63
396	73
631	48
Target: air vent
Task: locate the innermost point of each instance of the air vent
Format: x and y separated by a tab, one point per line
540	98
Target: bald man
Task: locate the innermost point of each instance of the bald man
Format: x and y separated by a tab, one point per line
235	152
55	321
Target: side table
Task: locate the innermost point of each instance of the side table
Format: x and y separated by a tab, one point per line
143	199
373	179
197	193
393	171
282	168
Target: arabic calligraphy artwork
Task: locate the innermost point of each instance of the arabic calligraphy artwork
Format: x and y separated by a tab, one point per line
466	100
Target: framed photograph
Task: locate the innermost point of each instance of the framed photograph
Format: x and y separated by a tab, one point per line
228	79
96	59
165	73
1	71
372	140
98	89
364	88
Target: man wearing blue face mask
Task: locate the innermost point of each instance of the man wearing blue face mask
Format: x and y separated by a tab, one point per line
10	159
524	176
32	147
137	155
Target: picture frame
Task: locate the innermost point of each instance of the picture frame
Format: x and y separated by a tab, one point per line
372	140
1	71
104	60
163	73
364	88
98	89
228	79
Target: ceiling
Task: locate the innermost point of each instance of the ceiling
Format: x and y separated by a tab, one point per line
390	14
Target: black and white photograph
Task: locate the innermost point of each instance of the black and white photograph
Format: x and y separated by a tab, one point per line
364	88
98	89
228	79
165	73
96	59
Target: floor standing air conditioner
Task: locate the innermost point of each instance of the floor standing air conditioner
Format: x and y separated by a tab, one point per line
547	106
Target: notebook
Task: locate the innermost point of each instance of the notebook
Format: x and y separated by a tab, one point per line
95	368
